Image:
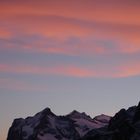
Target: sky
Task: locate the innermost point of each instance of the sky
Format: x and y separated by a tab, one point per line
68	55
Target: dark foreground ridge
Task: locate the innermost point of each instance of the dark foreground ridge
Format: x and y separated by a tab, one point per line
45	125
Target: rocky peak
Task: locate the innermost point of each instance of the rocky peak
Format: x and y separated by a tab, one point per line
118	119
45	125
76	115
47	111
102	118
137	114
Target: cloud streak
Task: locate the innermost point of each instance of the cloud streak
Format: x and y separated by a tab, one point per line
124	38
118	71
113	11
71	28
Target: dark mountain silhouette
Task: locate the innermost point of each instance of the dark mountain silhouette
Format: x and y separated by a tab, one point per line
45	125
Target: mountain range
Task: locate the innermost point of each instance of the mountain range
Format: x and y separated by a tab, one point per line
45	125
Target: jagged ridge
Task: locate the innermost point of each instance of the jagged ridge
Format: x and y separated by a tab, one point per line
45	125
125	125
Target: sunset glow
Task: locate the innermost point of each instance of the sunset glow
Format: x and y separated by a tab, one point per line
54	48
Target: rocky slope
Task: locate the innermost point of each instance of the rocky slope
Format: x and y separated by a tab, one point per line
125	125
48	126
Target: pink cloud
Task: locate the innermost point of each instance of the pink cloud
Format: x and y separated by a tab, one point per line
115	11
126	37
115	21
4	33
122	70
55	70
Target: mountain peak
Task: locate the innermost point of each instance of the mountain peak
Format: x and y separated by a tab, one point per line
102	118
74	112
47	111
76	115
46	125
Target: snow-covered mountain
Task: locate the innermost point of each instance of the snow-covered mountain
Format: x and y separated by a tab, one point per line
45	125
